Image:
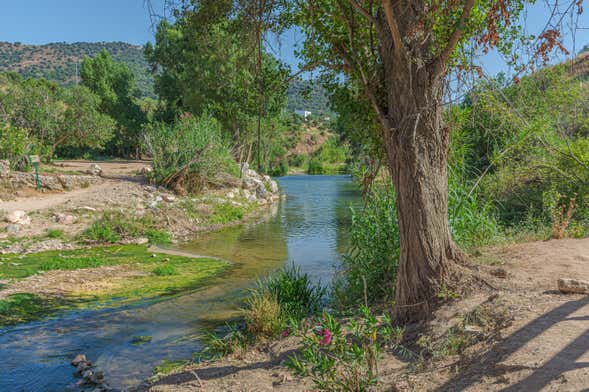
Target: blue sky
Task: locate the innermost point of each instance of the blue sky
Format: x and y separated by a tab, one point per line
43	21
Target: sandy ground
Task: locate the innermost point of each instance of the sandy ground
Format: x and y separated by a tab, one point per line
543	346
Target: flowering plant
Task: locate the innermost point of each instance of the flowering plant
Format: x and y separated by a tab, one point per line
342	356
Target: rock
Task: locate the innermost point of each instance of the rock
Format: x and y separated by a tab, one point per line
149	189
87	374
87	208
251	183
94	170
261	192
64	219
18	217
141	241
266	178
251	198
169	198
152	204
4	168
12	229
146	170
499	272
244	167
273	186
159	198
79	358
97	378
83	366
566	285
230	195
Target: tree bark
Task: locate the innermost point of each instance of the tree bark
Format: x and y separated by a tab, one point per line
416	144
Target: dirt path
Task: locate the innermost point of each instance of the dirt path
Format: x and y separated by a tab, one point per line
543	348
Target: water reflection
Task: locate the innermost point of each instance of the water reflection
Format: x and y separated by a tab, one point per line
308	229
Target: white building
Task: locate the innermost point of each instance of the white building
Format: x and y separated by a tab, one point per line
303	113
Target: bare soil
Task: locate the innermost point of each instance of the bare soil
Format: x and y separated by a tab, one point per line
540	339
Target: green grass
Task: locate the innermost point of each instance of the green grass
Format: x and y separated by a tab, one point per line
165	270
227	213
54	233
19	308
168	366
155	275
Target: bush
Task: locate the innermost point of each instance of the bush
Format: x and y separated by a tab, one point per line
263	316
15	145
370	267
344	357
189	155
315	166
297	296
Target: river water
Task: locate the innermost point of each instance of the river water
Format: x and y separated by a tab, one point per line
309	228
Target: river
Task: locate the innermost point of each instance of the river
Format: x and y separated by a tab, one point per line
309	229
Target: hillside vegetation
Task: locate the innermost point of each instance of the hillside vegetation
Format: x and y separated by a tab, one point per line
57	61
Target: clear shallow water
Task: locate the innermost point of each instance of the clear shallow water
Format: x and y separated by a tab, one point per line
308	229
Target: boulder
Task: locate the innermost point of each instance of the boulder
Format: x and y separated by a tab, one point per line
79	358
251	183
230	195
94	170
169	198
262	192
4	168
64	219
273	186
18	217
566	285
251	198
12	229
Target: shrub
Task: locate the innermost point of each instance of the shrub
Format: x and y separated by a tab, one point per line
315	166
15	145
370	267
263	316
190	154
297	296
344	358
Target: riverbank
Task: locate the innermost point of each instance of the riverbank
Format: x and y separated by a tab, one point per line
515	332
90	243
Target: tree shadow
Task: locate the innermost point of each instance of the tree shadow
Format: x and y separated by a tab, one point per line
490	363
211	373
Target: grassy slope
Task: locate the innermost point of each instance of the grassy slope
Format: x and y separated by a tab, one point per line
159	275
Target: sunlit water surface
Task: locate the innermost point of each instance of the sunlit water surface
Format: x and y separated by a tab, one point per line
308	229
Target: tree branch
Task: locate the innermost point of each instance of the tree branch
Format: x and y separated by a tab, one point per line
453	41
392	22
363	11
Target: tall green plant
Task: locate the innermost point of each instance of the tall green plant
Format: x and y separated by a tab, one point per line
190	154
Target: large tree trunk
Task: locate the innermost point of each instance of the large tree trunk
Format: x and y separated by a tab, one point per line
416	145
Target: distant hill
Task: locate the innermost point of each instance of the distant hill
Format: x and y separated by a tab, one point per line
57	61
308	95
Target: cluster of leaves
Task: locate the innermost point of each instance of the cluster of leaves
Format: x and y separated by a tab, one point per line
114	84
48	118
525	140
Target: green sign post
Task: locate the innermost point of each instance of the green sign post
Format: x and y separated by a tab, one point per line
35	162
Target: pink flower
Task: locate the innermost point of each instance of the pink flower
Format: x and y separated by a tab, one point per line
285	333
325	337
